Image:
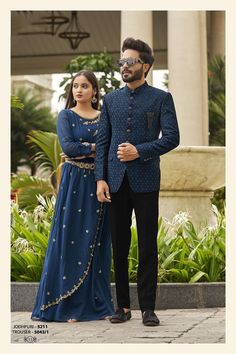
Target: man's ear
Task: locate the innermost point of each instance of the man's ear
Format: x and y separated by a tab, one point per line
146	67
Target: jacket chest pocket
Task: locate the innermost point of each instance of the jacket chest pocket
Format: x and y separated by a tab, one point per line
149	120
152	125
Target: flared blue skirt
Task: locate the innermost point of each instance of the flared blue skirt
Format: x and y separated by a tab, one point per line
75	281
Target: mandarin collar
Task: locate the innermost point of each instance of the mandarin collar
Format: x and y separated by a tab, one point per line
139	88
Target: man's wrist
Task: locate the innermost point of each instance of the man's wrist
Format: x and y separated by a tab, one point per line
137	153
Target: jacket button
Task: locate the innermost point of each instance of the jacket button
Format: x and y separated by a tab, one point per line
128	130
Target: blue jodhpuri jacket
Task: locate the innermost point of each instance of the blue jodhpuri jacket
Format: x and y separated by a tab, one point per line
144	117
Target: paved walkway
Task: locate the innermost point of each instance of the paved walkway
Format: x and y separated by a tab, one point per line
206	325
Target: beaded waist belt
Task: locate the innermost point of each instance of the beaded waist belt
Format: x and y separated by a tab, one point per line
87	165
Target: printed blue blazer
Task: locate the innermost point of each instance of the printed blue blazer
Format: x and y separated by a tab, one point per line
144	117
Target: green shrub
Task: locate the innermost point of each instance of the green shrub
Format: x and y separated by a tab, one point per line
188	255
185	253
219	199
29	238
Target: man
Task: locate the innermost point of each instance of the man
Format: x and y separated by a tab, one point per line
127	172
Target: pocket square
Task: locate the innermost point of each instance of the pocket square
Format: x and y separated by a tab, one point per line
150	116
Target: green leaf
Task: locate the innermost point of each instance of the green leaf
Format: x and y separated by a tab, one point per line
198	276
49	146
16	103
170	259
28	188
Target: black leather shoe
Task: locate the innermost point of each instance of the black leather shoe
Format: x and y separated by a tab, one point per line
120	316
150	318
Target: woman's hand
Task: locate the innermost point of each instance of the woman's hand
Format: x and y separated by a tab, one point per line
103	193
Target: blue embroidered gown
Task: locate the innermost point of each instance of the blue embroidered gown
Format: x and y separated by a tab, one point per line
75	281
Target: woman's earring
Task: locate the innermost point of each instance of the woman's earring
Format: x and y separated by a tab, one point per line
74	101
94	100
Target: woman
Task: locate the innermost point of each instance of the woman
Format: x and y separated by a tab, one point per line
75	282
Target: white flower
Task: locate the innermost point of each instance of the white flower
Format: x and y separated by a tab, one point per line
214	209
21	245
181	218
23	214
177	224
38	213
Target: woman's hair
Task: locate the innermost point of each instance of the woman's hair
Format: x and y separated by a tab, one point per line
93	81
145	52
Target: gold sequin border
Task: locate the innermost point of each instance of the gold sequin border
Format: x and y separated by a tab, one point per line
92	121
82	279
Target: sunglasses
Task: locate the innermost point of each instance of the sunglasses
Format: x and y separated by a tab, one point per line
129	61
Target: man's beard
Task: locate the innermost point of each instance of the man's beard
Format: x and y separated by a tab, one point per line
137	75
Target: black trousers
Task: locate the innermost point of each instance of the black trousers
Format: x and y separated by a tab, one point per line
145	206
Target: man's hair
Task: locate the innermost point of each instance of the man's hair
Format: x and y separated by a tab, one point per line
145	52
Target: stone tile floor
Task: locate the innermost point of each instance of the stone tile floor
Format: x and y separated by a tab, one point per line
205	325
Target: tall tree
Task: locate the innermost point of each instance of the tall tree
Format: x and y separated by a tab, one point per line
33	116
102	64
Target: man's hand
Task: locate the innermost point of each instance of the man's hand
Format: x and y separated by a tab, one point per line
103	193
127	152
92	155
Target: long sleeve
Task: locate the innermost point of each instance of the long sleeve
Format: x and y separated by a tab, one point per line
69	145
102	144
169	130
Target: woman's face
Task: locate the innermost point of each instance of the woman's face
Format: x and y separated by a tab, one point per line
82	89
